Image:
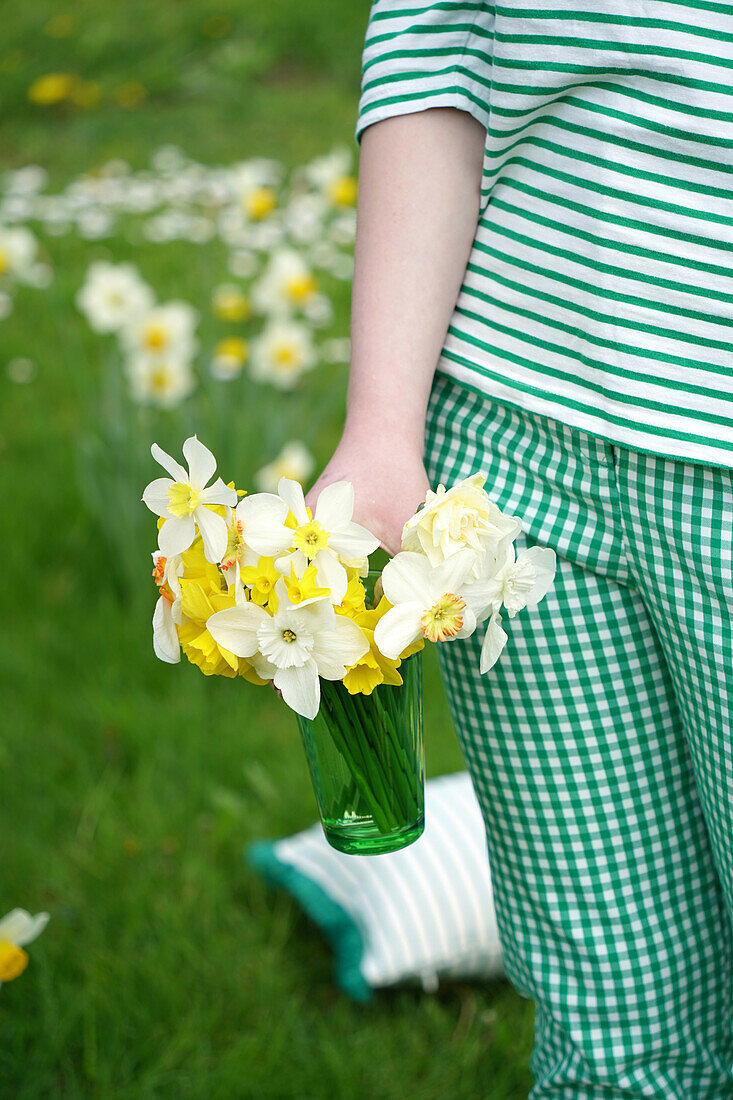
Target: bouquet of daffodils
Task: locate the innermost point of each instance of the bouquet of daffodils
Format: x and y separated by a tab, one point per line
257	586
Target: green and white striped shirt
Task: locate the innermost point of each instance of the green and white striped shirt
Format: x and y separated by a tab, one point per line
599	288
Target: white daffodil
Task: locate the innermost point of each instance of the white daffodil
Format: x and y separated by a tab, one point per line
230	303
183	500
282	352
230	355
520	581
164	331
295	461
255	528
112	295
294	647
462	517
18	250
286	284
516	582
433	602
168	613
327	539
159	380
17	929
333	175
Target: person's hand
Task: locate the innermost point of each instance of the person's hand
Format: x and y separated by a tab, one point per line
389	482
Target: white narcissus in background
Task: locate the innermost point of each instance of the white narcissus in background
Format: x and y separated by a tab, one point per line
113	295
165	331
329	536
17	929
18	250
295	462
282	352
294	647
183	500
460	518
287	283
160	381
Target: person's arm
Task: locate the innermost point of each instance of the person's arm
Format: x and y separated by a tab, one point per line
417	210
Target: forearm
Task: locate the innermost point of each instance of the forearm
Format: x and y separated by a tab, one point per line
418	204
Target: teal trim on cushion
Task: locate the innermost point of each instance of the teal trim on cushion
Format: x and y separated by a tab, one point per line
338	926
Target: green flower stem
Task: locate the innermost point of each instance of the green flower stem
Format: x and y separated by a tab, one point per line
357	725
390	712
385	747
340	726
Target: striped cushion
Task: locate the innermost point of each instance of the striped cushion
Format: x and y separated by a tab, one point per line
414	915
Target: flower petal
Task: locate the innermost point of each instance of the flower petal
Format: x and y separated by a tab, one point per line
334	649
201	462
165	640
268	539
235	628
292	494
177	472
262	507
300	688
405	578
353	542
213	530
482	596
218	493
494	641
450	575
176	535
335	505
469	623
544	560
330	573
398	629
155	495
20	928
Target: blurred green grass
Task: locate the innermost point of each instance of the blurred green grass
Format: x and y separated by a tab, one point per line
168	969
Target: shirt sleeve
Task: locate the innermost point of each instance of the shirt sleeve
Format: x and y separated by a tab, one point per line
418	55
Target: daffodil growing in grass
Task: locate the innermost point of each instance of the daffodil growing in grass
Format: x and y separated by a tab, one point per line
17	929
264	588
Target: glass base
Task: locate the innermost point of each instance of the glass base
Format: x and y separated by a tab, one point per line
364	840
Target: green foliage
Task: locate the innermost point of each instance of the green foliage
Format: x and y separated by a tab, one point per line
130	788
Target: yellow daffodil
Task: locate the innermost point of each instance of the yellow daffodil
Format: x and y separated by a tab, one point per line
261	580
354	600
374	668
203	593
305	587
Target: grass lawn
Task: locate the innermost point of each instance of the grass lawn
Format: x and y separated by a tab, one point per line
168	969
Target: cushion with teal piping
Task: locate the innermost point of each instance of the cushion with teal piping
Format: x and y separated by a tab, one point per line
417	915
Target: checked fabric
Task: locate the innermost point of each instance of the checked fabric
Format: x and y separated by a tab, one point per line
600	750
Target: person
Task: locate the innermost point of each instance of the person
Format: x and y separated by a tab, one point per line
543	291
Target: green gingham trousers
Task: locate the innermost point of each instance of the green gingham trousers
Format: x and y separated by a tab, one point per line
600	749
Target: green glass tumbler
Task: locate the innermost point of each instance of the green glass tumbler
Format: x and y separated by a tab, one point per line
366	759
